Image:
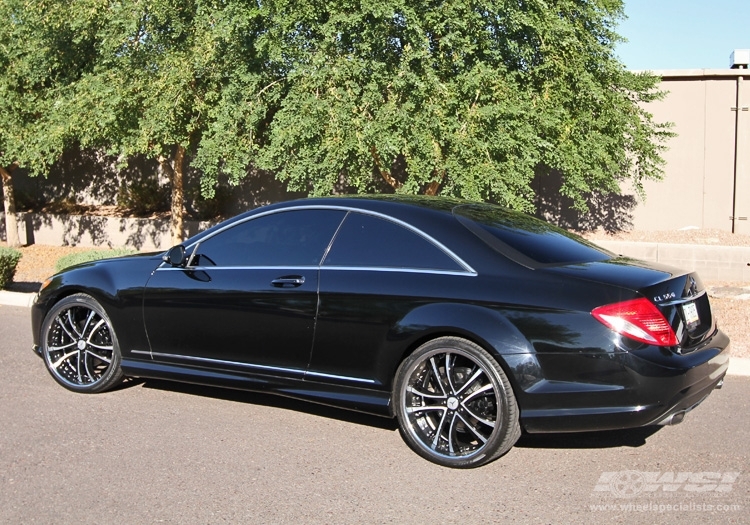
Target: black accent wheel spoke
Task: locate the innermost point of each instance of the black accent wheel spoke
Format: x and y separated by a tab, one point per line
451	403
455	405
78	345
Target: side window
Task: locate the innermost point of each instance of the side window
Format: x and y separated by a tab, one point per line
289	238
367	241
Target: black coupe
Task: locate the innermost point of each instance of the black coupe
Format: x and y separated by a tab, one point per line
466	321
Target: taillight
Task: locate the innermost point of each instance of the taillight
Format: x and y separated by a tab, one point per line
638	319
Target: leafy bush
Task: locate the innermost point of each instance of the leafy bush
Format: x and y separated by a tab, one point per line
143	197
203	209
90	255
9	258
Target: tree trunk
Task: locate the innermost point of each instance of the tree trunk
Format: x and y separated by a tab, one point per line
175	172
395	184
9	204
433	187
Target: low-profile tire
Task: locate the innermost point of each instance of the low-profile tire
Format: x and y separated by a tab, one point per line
454	404
79	345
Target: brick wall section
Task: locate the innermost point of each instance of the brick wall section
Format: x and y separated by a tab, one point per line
713	263
95	231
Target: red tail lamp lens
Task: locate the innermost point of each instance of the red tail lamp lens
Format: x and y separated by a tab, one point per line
638	319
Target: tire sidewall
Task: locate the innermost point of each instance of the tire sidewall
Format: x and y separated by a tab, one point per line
507	421
113	374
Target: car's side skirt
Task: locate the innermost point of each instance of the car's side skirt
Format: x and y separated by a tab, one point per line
355	398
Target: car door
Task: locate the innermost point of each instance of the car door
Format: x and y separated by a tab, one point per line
247	298
376	272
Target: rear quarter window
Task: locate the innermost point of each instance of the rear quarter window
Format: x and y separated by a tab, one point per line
525	239
364	241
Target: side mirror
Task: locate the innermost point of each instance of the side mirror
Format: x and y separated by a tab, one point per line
176	256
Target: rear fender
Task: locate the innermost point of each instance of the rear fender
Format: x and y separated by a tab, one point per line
488	328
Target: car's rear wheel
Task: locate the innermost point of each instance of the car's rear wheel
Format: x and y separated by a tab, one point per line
454	404
79	345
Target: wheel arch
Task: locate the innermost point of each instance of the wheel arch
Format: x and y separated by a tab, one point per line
488	328
93	281
80	352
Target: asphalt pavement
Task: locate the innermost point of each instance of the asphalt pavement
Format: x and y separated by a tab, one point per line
158	452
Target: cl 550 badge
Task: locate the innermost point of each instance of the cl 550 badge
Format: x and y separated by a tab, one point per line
665	297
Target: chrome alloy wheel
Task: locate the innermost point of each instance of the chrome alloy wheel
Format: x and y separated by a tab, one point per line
455	405
79	345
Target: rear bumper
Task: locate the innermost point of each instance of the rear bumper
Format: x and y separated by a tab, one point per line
623	390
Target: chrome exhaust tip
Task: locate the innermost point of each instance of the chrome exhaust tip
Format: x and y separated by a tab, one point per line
677	418
673	419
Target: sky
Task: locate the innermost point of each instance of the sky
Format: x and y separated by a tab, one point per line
683	34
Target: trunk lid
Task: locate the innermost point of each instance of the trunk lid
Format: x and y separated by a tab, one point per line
679	295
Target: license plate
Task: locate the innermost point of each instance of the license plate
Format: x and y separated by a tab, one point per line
691	314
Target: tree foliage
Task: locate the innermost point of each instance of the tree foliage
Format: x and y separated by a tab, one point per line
33	63
171	82
169	79
462	98
39	55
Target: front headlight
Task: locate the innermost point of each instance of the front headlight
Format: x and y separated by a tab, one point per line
45	284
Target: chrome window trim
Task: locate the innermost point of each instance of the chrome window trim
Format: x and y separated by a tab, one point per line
296	371
217	268
404	270
463	264
316	268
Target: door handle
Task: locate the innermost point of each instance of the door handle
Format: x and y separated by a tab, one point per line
288	281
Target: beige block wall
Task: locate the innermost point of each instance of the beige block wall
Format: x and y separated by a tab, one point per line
98	232
742	211
698	189
713	263
718	172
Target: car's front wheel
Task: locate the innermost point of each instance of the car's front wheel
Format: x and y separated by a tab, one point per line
454	404
79	345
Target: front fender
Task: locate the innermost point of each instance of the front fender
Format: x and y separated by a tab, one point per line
117	284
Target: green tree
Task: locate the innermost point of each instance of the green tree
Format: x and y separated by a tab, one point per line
174	80
461	98
452	97
39	53
170	79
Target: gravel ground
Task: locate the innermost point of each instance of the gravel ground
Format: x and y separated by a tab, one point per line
38	262
690	236
733	312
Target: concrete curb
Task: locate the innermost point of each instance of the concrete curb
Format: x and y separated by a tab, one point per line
738	366
16	298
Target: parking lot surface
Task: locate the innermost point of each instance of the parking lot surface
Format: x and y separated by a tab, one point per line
157	452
